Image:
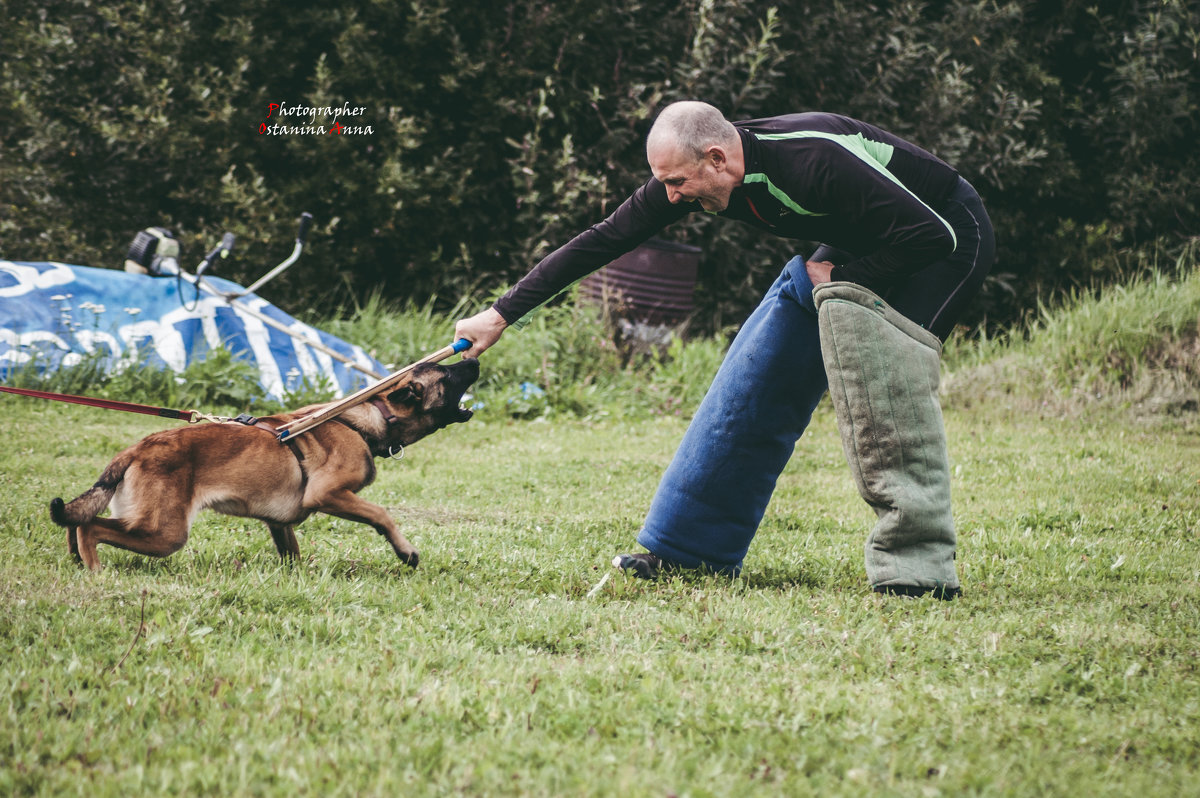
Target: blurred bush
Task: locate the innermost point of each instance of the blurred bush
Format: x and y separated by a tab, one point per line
499	130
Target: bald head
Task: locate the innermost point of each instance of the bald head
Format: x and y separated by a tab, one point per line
690	128
696	154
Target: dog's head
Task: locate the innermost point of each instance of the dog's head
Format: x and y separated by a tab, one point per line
429	400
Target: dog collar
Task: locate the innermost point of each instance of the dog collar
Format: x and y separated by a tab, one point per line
389	419
383	408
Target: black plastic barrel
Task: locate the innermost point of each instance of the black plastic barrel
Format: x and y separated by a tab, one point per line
653	284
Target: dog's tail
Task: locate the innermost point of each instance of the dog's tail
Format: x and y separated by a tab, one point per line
91	502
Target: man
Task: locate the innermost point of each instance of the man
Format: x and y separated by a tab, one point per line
897	224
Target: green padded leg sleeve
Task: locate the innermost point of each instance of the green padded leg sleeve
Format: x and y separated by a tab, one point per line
883	379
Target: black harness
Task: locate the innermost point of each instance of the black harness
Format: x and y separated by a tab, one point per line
254	421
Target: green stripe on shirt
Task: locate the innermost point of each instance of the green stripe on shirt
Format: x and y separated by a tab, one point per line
778	194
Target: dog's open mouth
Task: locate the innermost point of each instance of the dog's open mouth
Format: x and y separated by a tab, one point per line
462	376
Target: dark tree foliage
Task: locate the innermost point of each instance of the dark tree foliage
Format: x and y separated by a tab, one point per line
492	132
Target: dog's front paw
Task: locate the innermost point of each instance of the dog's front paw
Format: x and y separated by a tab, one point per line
412	558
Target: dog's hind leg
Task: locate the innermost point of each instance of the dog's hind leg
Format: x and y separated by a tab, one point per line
73	543
345	504
85	542
284	536
167	539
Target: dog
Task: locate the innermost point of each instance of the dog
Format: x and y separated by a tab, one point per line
157	486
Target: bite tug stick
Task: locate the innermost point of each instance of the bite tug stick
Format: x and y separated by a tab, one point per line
301	425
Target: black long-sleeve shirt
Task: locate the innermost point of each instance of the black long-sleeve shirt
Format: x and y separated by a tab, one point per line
810	176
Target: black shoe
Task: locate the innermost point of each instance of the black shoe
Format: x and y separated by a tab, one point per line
916	591
643	566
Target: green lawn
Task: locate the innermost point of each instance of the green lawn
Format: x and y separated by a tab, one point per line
1069	667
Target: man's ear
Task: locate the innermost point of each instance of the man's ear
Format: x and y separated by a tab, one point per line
718	156
411	393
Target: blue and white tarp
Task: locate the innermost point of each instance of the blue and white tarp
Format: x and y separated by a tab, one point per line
54	315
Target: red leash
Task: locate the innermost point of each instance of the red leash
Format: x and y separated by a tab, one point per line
190	416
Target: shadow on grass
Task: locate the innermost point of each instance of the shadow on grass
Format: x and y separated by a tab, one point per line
780	579
785	579
258	565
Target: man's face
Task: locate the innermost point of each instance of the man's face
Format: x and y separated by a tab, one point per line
688	180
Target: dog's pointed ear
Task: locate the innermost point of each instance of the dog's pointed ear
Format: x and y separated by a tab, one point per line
410	393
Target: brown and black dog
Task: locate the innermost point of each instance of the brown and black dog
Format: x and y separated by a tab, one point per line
158	485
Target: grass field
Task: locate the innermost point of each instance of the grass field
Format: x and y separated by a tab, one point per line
502	666
1070	666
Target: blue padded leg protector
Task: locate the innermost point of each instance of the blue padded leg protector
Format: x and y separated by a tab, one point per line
715	491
